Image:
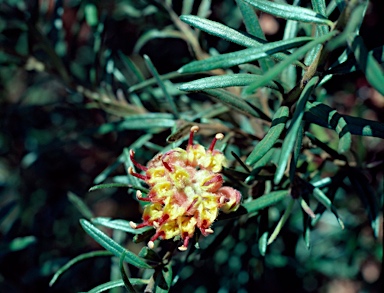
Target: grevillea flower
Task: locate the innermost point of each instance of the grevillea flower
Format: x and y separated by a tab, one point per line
185	191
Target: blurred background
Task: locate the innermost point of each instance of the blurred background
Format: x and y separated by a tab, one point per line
57	88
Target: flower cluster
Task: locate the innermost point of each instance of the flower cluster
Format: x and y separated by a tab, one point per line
186	191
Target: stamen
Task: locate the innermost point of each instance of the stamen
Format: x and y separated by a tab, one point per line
151	244
141	167
184	247
144	224
133	225
206	232
194	129
218	136
154	237
137	175
139	196
166	165
163	219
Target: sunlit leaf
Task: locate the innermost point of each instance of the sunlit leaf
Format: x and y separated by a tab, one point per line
289	11
244	56
112	246
118	224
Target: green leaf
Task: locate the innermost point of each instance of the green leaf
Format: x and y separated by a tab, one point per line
236	103
16	244
124	276
155	34
263	243
368	197
320	7
150	121
221	81
278	124
164	279
244	56
117	224
318	113
306	225
341	127
265	201
112	246
75	260
367	63
118	283
277	69
84	210
321	197
117	185
334	154
253	27
131	67
293	129
221	31
168	97
263	231
282	221
261	163
107	171
289	12
296	152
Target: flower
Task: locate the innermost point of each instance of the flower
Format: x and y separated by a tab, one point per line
185	191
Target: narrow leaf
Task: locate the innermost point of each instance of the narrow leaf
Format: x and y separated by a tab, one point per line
296	152
164	280
150	121
221	81
244	56
265	201
117	185
112	246
282	221
340	125
277	69
278	124
321	197
75	260
368	198
84	210
118	283
253	27
236	103
168	97
318	112
117	224
221	31
292	133
367	63
124	276
289	11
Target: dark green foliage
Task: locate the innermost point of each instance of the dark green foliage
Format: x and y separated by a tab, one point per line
84	82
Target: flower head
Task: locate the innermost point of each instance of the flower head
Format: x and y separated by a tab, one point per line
185	191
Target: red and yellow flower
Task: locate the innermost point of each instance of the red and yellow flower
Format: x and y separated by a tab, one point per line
185	191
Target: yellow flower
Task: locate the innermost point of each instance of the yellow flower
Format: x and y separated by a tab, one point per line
186	191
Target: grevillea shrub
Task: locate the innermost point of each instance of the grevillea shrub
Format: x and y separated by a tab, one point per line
248	163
